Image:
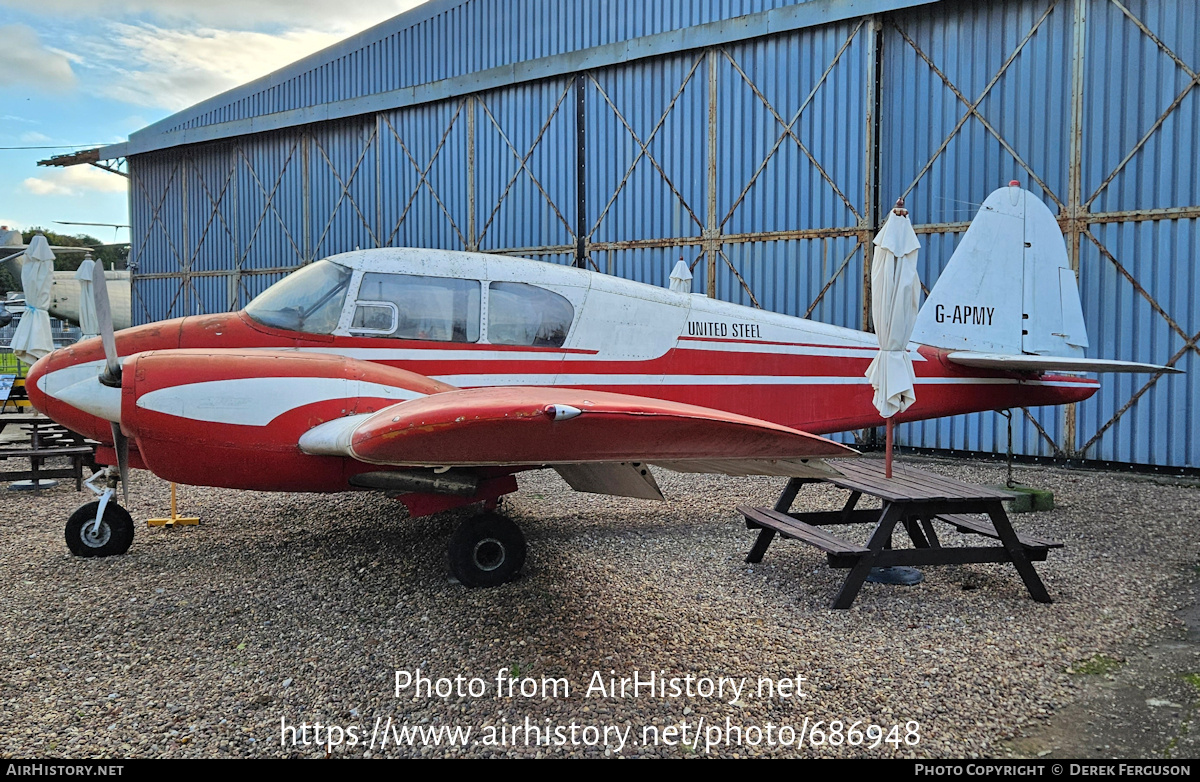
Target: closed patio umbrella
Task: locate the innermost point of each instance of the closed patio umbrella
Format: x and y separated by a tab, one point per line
895	301
681	278
33	338
89	324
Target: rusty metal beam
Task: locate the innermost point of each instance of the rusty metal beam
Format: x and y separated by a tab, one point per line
306	192
942	228
869	223
73	159
220	272
472	103
1058	451
832	279
1075	208
1142	215
713	229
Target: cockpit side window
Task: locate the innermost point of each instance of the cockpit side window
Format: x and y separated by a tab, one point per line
523	314
308	300
409	306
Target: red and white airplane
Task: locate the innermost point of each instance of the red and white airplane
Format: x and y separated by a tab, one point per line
436	376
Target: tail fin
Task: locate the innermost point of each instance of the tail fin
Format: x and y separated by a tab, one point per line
1009	287
1008	299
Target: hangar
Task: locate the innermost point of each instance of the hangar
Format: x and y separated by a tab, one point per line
762	141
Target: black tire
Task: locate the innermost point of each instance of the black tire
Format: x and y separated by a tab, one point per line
487	550
114	536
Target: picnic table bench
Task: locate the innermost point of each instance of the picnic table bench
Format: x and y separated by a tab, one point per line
913	499
46	440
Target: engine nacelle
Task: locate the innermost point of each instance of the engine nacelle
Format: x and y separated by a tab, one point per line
233	418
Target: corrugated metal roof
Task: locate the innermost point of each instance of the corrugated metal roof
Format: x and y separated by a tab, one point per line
446	48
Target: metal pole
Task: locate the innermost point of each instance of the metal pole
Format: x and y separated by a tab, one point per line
1009	479
472	238
1076	210
887	459
710	233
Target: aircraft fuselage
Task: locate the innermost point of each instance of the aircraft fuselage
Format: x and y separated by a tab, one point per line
619	336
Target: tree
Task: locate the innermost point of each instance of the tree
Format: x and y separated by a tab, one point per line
8	282
114	256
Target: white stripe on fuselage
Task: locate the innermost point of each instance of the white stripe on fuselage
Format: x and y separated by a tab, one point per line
483	354
256	401
567	379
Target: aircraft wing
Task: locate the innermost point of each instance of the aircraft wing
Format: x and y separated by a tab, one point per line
598	441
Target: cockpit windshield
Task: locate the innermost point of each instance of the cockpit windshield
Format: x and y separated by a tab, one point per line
308	300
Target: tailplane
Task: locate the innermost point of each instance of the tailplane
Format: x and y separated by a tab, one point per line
1008	299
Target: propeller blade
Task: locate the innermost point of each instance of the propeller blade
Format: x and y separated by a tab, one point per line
121	446
104	316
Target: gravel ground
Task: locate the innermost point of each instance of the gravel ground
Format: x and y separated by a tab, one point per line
292	609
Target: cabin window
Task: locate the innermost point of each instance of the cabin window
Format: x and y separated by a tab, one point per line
309	300
522	314
408	306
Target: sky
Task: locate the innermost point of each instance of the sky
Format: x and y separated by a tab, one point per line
83	73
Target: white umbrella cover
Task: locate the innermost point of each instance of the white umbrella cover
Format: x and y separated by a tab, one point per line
89	324
681	278
895	300
33	339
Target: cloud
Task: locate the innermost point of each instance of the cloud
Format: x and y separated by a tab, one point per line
239	14
75	181
33	137
27	63
172	69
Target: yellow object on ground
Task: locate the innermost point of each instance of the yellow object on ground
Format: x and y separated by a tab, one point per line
175	519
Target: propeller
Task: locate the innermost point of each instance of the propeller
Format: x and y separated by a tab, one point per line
111	376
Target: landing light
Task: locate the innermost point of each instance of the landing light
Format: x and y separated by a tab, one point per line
561	412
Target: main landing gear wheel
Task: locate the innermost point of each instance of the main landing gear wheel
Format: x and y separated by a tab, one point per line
487	550
114	535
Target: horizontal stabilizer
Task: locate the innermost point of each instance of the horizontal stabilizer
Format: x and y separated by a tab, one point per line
1029	363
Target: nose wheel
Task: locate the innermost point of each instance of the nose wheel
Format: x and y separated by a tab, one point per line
487	550
113	535
101	528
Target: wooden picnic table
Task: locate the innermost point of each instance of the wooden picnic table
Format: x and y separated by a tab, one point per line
913	499
46	440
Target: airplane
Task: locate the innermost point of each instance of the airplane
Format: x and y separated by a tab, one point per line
438	376
65	290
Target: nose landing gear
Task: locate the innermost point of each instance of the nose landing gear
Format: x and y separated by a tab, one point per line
113	535
101	528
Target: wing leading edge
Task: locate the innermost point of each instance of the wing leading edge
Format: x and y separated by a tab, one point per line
591	437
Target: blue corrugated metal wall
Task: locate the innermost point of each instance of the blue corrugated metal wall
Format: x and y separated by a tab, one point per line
486	33
755	161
